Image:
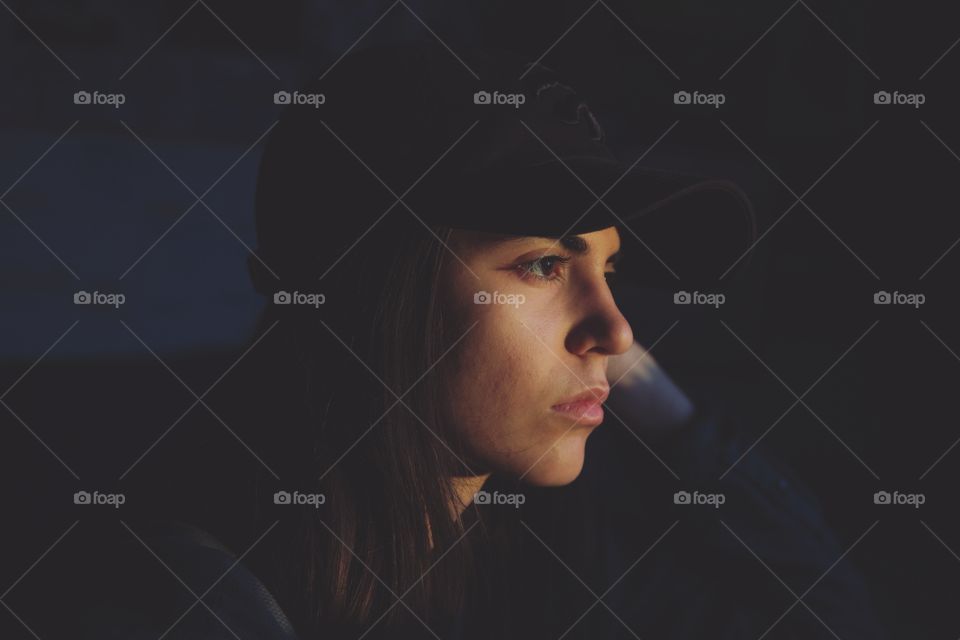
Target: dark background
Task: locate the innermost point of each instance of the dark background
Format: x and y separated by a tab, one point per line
88	390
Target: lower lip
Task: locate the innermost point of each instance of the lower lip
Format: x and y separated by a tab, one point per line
584	412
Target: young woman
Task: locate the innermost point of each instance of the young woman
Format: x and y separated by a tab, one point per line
450	413
466	345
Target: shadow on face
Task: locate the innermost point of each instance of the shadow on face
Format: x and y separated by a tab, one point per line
538	323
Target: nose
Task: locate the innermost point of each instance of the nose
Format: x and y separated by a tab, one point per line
602	328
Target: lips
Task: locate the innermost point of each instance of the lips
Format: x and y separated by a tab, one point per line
585	407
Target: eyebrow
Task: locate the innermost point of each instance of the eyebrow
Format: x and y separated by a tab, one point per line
574	244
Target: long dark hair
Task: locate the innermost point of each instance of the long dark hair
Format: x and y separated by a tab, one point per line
329	421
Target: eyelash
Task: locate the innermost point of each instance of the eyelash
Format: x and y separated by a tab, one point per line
525	269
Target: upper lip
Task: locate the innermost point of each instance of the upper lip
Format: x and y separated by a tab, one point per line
593	394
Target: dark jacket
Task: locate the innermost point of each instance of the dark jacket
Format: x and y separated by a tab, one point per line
660	569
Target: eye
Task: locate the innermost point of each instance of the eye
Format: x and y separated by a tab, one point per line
545	268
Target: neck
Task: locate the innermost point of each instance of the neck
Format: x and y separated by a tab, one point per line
466	487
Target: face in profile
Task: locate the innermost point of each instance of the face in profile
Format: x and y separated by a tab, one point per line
526	382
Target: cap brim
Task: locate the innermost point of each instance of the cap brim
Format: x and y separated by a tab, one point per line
675	228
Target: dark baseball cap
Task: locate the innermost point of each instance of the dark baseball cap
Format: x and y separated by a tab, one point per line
477	140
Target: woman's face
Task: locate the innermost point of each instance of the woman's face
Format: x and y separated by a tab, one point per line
527	379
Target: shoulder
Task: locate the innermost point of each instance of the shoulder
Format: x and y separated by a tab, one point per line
171	577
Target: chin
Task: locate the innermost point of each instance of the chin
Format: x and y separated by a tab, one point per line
562	465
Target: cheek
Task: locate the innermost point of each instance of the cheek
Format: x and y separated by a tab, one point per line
494	372
502	383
